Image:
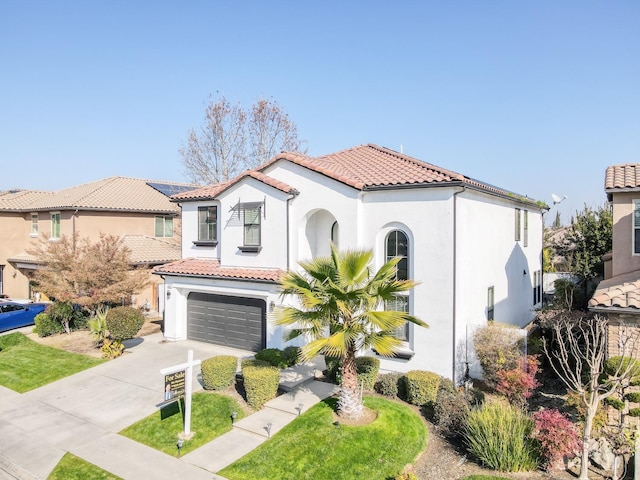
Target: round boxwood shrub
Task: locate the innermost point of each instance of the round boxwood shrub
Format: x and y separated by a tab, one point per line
124	322
634	412
219	373
367	368
252	362
633	397
422	387
388	384
45	325
273	356
291	355
260	384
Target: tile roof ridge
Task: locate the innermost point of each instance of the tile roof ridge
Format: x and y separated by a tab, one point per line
416	161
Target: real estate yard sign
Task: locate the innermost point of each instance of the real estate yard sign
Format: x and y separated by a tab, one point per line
177	384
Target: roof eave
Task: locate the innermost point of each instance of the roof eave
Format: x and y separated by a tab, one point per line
215	277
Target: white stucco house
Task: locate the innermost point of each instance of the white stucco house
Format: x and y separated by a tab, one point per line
474	248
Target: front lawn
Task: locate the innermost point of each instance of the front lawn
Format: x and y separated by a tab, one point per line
312	447
210	418
25	364
71	467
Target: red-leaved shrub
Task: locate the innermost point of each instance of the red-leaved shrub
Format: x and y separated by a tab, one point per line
557	437
518	384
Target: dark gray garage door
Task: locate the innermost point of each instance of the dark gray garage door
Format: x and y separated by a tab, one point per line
231	321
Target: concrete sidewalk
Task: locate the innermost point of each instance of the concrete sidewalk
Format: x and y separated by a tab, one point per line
83	413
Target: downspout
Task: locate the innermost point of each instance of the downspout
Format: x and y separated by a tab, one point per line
291	197
455	276
73	229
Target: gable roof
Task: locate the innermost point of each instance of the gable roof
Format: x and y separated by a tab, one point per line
146	250
364	167
622	178
109	194
212	191
200	267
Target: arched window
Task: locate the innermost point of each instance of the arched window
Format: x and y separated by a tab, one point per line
397	245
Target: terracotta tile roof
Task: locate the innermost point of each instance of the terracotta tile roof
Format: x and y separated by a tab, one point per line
150	250
365	167
622	291
621	177
20	199
200	267
211	191
112	194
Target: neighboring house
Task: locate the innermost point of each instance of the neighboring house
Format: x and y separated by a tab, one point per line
139	211
474	248
618	295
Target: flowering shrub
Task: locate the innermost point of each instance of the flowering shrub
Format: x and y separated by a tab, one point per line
519	383
556	435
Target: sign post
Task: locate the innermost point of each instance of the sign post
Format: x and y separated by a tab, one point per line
178	384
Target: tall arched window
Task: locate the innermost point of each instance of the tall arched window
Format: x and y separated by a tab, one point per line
397	245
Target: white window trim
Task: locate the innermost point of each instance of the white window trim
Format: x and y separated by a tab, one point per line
54	237
636	202
35	232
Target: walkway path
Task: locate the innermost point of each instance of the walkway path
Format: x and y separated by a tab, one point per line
82	414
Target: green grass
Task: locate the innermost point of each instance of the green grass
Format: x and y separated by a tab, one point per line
210	418
311	447
71	467
25	364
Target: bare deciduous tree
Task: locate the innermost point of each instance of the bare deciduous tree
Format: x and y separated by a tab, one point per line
233	139
578	357
87	273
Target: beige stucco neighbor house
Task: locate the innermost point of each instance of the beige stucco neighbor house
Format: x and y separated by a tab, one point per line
618	295
137	210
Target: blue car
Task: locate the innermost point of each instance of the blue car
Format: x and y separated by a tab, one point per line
15	315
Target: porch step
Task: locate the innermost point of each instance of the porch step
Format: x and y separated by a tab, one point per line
293	377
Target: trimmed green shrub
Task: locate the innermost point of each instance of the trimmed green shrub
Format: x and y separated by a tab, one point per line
367	368
291	355
260	384
45	325
634	412
252	362
271	355
633	397
333	366
422	386
219	372
614	402
388	384
500	436
124	322
618	363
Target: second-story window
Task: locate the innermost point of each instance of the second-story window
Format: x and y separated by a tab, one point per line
252	226
164	226
397	245
518	229
207	224
34	224
55	225
525	225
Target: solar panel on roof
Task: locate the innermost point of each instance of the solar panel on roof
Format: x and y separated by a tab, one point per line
170	189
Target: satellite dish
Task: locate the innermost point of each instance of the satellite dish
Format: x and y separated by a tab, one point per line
557	199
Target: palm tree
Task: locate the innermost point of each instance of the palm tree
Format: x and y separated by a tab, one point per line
340	300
